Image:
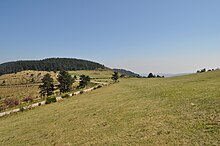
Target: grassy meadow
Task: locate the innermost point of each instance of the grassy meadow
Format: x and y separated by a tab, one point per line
172	111
25	84
94	74
22	84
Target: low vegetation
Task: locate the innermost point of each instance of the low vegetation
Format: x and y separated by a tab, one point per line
50	100
45	84
172	111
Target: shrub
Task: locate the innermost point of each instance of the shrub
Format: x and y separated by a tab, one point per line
50	100
28	99
57	93
122	76
22	109
151	75
11	102
84	81
65	96
203	70
99	86
2	107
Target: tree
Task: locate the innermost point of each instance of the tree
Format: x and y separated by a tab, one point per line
115	77
65	81
203	70
151	75
84	80
122	76
158	76
47	88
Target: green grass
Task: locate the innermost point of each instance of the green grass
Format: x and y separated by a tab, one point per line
19	86
173	111
98	74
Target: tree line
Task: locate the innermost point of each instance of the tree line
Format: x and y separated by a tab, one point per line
65	83
205	70
151	75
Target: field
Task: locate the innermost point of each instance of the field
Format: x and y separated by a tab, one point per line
25	84
22	84
174	111
94	74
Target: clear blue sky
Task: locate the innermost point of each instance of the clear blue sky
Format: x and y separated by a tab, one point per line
141	35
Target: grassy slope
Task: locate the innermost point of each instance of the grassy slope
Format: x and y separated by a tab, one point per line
100	74
17	84
173	111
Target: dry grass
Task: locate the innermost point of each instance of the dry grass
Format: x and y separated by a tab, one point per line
97	74
173	111
20	85
24	77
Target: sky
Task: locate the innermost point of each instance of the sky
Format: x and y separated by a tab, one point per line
159	36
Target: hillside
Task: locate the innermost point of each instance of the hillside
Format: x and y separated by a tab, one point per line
126	72
50	64
181	110
25	83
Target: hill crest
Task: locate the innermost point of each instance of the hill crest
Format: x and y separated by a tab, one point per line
49	64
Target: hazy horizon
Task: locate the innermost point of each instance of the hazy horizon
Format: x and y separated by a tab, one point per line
142	36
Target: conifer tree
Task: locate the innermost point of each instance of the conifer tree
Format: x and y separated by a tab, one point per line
66	81
47	88
115	77
84	80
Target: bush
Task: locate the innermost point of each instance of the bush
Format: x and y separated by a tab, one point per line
99	86
11	102
22	109
50	100
28	99
65	96
151	75
2	107
203	70
57	93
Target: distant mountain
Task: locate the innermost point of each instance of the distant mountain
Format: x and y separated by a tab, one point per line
50	64
126	72
168	74
172	75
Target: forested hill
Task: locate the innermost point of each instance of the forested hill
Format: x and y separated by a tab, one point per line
50	64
